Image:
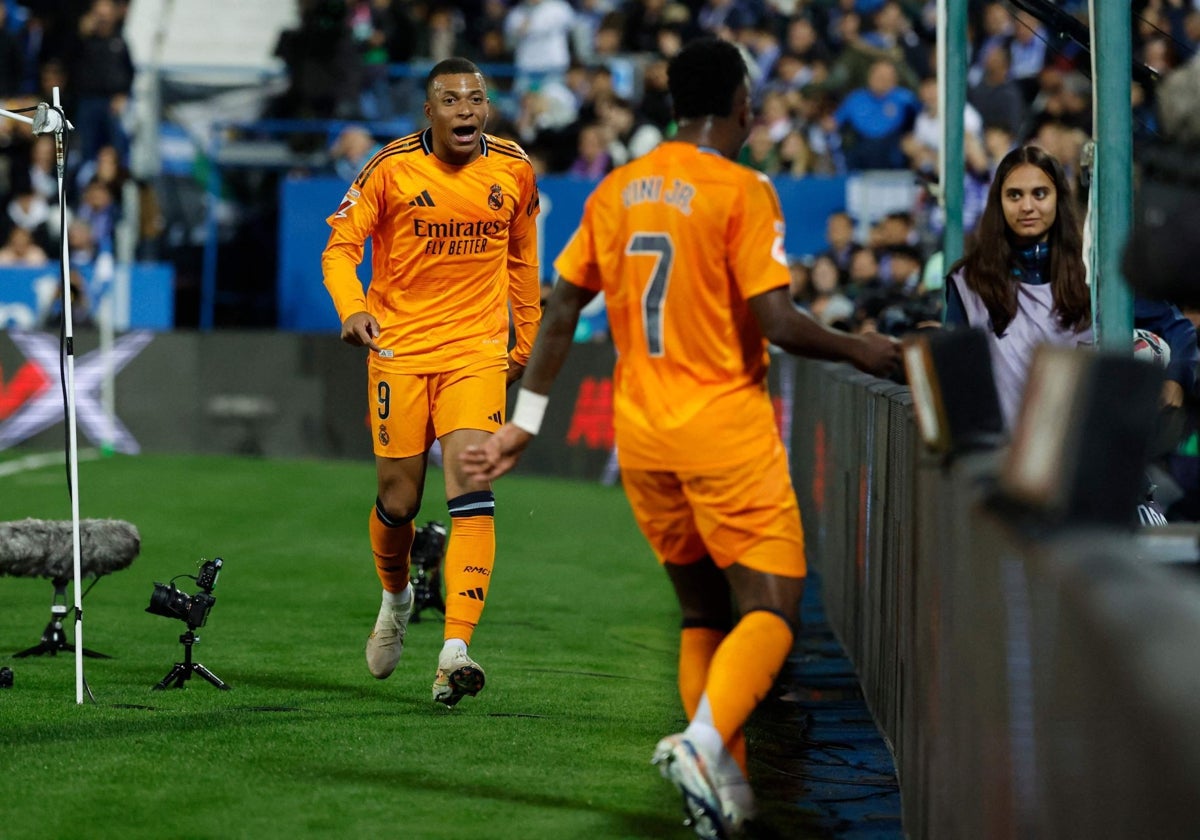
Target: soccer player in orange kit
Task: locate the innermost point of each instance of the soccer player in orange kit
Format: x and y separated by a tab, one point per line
450	212
687	247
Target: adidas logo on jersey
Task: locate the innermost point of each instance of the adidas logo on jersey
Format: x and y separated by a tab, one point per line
495	417
423	200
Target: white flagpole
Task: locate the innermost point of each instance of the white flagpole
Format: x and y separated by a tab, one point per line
72	433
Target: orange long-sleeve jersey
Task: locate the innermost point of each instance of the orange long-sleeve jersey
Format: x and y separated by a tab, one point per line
679	240
451	247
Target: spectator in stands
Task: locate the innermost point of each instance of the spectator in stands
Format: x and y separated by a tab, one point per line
800	288
896	227
922	146
81	243
20	249
29	210
539	33
107	168
760	152
902	268
821	132
98	207
796	157
12	58
996	30
763	47
43	169
442	37
592	159
322	64
996	97
590	15
840	244
656	99
802	41
629	136
544	116
1065	143
384	33
643	20
1027	47
776	115
101	76
893	34
446	270
790	74
351	149
1023	280
707	478
874	119
856	61
81	305
827	301
723	17
863	274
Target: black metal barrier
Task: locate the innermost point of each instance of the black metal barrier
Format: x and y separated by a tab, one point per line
1031	684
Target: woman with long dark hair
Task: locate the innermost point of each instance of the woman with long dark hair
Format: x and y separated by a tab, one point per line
1023	279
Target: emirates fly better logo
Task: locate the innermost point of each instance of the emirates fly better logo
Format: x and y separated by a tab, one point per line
33	399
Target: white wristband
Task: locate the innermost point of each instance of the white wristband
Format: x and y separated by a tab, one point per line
529	411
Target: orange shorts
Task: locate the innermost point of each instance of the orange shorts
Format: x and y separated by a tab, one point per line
745	514
408	410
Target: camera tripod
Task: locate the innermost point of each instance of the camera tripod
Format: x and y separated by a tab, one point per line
54	638
182	672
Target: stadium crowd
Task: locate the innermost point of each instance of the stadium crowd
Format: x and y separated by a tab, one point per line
78	47
839	86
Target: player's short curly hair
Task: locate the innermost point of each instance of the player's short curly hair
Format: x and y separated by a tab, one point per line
703	77
450	67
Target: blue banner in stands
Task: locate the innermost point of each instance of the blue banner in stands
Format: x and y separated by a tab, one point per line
28	296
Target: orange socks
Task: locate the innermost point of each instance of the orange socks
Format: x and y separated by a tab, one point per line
470	557
743	670
390	543
696	648
697	645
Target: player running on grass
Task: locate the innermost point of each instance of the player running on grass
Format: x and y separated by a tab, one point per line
450	212
687	247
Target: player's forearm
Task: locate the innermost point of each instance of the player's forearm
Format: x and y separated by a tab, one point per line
525	298
799	333
554	339
342	283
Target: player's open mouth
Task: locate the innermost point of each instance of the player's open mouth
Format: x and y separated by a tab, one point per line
465	133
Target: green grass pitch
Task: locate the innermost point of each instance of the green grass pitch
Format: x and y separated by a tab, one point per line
578	641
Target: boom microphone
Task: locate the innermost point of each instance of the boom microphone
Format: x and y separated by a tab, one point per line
46	548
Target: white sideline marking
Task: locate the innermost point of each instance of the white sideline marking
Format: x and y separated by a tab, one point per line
45	459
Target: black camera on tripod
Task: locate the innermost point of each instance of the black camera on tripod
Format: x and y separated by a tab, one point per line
169	601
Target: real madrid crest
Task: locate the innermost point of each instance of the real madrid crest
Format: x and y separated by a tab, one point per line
496	197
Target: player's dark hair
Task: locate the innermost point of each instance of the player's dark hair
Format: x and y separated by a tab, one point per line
703	77
450	67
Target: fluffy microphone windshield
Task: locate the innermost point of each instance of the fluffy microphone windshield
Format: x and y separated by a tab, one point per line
45	548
